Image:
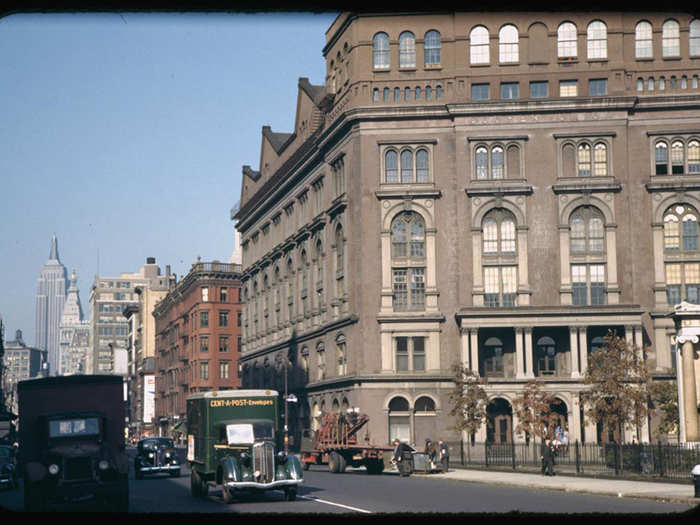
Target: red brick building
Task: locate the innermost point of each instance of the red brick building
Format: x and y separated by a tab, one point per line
198	338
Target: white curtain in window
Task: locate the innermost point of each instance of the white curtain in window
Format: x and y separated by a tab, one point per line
508	44
642	40
597	40
670	39
479	45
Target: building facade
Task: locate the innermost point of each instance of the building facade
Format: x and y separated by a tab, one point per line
50	296
198	334
496	189
109	297
141	337
74	343
20	362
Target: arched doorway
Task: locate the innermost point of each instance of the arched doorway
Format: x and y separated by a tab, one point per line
499	428
399	420
561	416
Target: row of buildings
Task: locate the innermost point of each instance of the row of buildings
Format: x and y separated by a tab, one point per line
495	189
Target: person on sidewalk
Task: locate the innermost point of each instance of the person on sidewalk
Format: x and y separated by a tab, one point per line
444	453
547	456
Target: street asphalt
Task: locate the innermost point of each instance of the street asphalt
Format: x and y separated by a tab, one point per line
673	492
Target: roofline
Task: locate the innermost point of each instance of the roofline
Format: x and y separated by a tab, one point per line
69	380
233	393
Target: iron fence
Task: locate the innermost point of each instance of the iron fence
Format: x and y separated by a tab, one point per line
668	462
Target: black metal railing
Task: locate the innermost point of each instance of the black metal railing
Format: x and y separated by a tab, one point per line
668	462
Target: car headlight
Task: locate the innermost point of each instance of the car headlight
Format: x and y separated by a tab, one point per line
53	469
245	457
167	454
281	457
150	454
103	465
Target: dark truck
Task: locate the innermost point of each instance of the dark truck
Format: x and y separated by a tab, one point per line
72	442
233	440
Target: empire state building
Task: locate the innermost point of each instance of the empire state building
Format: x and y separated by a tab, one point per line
50	297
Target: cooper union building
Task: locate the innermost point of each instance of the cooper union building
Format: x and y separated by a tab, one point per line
494	189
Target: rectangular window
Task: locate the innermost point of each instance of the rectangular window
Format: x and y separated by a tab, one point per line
224	369
480	91
510	285
238	319
223	318
578	285
204	370
673	283
400	290
598	87
204	319
223	295
690	235
418	353
597	272
491	287
223	343
509	90
205	294
204	343
538	89
238	343
568	88
402	354
417	288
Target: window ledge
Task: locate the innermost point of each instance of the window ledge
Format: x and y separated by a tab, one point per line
407	69
485	64
598	60
592	183
659	183
645	59
672	58
508	64
435	67
381	70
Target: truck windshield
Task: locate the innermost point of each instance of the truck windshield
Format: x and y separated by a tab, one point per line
246	433
74	427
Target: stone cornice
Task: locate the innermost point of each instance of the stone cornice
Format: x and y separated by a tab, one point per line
478	188
673	183
587	185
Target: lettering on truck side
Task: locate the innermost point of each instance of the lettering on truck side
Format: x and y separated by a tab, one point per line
214	403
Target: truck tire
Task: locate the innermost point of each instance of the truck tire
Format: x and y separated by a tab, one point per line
195	484
342	463
336	463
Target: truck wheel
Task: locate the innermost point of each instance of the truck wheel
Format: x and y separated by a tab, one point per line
290	494
226	494
194	484
342	463
333	462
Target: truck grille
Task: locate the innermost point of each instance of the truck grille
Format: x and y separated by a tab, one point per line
264	461
77	468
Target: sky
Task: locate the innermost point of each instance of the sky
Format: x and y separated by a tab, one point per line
124	135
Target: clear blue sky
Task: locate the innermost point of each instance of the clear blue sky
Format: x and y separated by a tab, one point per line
126	133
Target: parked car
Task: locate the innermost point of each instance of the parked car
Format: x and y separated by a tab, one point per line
155	455
8	467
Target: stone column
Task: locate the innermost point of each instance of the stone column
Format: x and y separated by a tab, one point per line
573	349
474	349
575	424
529	374
583	346
519	372
690	403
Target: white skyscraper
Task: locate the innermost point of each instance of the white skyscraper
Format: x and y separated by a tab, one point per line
50	297
75	334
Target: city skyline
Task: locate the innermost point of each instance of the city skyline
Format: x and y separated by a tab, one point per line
126	136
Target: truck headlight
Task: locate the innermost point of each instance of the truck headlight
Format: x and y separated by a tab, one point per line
53	469
103	465
281	457
150	454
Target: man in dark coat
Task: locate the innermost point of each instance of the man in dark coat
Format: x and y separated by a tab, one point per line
547	456
402	454
444	453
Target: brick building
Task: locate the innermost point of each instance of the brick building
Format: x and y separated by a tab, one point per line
197	327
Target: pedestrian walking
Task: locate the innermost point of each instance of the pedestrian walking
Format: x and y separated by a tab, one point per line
547	456
444	453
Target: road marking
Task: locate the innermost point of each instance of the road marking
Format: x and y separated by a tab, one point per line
312	498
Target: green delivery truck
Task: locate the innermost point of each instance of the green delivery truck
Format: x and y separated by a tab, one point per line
233	440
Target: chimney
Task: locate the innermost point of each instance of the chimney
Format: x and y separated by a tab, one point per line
150	260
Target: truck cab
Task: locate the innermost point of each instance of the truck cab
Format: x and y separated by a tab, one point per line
234	441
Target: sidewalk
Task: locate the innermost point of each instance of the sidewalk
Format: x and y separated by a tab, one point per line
673	492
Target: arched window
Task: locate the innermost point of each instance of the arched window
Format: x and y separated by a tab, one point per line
672	83
479	45
587	231
321	361
497	171
320	273
661	158
422	165
508	44
694	38
481	162
662	83
684	82
600	160
340	261
397	94
670	39
499	232
677	157
391	166
584	160
432	48
493	357
399	420
546	352
407	49
408	261
597	40
681	228
290	291
640	84
650	84
381	51
643	40
340	353
418	93
278	284
406	166
694	156
387	94
566	40
424	404
304	269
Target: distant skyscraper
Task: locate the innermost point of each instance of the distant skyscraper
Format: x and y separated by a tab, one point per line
75	334
50	297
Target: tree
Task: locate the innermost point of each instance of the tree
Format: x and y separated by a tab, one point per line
664	394
468	400
619	385
534	409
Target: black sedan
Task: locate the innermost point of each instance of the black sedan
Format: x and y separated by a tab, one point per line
155	455
8	467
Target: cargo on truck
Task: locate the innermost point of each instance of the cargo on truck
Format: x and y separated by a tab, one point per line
336	444
71	440
234	441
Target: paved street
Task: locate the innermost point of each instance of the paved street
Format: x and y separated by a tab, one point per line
357	492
